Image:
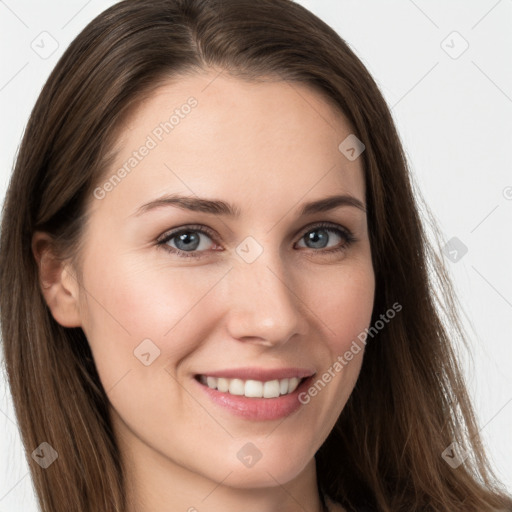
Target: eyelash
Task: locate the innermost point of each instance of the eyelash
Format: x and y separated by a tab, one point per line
342	232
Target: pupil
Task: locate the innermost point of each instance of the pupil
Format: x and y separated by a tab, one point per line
191	244
316	239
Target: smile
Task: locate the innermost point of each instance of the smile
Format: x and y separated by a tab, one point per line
257	394
252	388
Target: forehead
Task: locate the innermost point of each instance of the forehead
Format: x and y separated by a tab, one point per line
212	134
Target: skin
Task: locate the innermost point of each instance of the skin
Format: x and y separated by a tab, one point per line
268	148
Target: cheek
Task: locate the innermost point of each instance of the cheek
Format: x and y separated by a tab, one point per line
128	303
142	322
345	305
345	308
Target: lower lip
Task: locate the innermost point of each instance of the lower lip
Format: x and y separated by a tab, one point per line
257	409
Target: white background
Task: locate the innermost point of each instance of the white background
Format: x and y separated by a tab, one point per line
454	116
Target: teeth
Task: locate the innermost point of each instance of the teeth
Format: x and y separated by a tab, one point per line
222	384
292	386
236	387
271	389
252	388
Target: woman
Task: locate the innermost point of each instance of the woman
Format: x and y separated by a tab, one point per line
216	288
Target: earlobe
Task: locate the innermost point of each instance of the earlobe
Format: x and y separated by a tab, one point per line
57	282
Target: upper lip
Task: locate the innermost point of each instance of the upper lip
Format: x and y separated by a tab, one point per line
261	374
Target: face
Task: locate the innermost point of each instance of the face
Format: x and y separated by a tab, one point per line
250	295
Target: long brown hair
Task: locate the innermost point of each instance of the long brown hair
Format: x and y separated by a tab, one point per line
410	402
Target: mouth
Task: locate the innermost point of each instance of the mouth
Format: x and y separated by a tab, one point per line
256	394
252	388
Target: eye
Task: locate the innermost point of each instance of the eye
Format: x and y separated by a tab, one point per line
320	235
187	241
194	241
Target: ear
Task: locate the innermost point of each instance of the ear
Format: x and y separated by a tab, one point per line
57	281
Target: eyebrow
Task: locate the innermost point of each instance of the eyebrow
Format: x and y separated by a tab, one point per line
219	207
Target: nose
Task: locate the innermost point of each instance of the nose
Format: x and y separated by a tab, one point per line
264	305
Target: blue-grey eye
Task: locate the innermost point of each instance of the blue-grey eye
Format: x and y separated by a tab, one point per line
190	240
319	238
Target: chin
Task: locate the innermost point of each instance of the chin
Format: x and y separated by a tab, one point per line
277	467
